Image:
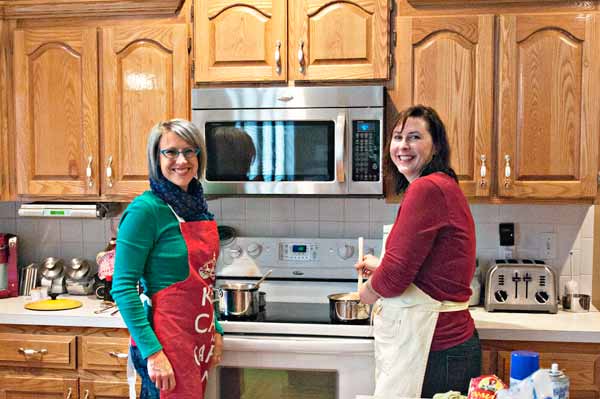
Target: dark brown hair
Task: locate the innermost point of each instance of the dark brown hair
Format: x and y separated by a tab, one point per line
441	159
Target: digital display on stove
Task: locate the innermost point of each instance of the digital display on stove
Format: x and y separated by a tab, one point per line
299	248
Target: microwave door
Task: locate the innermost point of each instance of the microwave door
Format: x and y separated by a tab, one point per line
295	151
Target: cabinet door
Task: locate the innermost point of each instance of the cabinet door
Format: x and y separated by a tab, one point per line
548	106
144	81
240	41
338	40
104	389
447	63
56	107
39	386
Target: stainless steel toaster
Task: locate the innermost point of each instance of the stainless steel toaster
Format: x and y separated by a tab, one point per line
521	285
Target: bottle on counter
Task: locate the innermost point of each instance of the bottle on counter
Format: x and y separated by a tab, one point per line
560	383
522	365
107	287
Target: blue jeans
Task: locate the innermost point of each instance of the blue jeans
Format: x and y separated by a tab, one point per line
149	390
453	368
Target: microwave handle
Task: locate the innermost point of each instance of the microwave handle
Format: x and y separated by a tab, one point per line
340	146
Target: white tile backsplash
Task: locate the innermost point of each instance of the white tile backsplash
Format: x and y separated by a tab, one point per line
333	218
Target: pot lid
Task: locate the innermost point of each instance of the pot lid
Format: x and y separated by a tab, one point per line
53	304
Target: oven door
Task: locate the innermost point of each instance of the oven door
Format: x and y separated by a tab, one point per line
275	151
293	368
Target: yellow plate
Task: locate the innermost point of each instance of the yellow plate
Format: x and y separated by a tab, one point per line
53	304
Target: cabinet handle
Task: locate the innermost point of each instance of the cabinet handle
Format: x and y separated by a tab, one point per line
507	171
88	172
69	393
31	352
86	395
118	355
301	56
109	171
483	170
278	57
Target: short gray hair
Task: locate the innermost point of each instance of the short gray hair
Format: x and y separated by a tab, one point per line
185	130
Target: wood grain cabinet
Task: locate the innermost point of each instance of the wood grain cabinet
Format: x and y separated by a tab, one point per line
53	362
277	40
548	108
449	61
545	78
579	361
61	102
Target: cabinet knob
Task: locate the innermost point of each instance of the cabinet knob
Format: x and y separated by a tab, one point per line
507	171
301	56
88	172
483	171
278	57
109	171
86	394
69	393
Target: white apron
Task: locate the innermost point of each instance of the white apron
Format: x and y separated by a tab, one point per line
403	328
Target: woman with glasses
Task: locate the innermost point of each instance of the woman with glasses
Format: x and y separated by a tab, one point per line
168	241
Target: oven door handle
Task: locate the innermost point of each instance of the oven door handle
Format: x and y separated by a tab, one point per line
340	147
295	345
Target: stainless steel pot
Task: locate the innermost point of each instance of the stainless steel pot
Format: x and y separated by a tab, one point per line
345	309
238	301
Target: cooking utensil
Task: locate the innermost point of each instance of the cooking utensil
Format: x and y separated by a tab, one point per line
361	243
346	308
78	268
52	268
240	300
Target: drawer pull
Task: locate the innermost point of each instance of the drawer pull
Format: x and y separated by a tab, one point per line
86	395
69	393
118	355
31	352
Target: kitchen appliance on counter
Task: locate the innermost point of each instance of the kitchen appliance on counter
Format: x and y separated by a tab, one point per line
299	344
9	274
521	285
292	140
52	271
79	277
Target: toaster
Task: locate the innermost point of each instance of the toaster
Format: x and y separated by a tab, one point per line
521	285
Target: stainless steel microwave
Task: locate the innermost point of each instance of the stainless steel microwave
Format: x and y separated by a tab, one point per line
292	140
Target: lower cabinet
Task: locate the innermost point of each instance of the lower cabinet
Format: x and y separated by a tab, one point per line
63	362
579	361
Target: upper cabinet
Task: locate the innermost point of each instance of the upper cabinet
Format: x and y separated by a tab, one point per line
62	152
321	40
548	108
449	61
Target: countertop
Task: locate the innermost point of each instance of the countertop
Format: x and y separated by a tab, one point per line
560	327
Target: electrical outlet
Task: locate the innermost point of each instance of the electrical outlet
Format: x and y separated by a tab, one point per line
548	248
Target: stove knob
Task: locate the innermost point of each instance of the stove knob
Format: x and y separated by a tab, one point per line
501	296
542	297
346	251
235	252
254	249
370	251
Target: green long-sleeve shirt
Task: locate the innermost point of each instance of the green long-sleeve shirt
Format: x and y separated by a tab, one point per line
150	249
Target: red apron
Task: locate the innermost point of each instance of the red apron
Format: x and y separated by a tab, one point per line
183	313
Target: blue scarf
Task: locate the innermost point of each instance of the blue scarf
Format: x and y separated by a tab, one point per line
191	206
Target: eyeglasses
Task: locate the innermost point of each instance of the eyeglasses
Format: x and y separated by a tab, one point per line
187	153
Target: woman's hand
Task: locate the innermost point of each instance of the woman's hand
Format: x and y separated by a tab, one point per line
367	264
160	371
217	351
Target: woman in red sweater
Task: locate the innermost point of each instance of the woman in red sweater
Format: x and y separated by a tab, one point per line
425	338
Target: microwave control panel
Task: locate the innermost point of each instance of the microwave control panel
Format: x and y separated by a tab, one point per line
365	150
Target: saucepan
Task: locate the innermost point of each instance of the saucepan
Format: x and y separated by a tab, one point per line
240	300
346	308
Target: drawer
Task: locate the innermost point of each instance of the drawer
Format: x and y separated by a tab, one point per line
33	350
103	353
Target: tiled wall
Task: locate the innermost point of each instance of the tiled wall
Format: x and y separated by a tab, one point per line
332	218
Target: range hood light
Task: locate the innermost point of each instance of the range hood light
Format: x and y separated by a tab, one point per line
58	210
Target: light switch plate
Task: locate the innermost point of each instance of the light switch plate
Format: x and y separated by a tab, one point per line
548	246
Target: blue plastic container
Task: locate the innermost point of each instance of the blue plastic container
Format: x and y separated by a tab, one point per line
523	364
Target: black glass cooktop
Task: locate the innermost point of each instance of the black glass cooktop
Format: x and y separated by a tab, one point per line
292	312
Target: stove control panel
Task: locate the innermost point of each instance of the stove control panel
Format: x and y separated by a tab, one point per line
303	252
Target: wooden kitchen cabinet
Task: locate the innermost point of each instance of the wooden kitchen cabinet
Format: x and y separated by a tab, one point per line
78	362
579	361
450	62
548	108
62	152
254	41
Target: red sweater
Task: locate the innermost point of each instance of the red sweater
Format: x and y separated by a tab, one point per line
432	244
